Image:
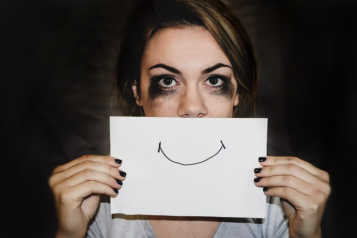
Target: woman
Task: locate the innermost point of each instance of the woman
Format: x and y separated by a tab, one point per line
183	58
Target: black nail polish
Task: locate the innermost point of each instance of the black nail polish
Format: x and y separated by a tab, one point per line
115	190
262	159
118	161
265	189
257	170
119	182
256	180
122	173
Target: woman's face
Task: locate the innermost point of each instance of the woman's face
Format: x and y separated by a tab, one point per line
185	73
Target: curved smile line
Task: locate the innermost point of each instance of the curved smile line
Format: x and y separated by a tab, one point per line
160	149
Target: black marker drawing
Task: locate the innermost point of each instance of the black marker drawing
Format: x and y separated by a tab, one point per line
160	149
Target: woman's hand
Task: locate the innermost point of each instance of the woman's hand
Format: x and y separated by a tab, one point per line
302	188
76	187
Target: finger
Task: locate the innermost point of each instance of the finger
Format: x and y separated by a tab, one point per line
80	191
87	164
112	161
287	181
289	170
277	160
91	175
122	174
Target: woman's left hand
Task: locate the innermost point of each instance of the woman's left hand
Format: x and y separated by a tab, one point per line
302	188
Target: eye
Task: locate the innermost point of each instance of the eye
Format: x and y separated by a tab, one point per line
214	81
167	82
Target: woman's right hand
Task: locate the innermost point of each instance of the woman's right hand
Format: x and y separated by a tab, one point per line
76	187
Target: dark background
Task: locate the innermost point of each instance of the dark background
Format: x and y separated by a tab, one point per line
57	60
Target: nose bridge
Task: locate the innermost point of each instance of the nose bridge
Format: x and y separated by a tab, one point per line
192	103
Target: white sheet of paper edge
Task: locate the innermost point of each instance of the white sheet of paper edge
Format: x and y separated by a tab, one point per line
219	187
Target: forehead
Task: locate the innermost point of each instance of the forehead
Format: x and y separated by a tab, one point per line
184	47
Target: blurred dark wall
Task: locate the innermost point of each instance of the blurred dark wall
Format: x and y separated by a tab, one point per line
57	62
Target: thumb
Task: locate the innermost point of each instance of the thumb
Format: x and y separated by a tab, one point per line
90	205
288	208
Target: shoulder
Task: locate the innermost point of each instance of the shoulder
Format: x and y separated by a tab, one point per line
104	224
273	225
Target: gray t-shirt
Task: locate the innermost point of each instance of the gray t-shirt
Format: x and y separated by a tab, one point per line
105	225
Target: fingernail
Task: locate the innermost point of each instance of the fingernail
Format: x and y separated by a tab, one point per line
119	182
122	173
118	161
265	189
115	190
262	159
257	170
256	180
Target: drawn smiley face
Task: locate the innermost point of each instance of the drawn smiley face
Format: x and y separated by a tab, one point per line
160	150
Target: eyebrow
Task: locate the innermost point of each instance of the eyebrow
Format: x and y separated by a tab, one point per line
176	71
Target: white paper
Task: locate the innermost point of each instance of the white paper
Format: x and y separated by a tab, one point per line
223	153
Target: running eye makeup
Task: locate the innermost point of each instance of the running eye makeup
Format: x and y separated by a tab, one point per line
166	84
162	85
220	85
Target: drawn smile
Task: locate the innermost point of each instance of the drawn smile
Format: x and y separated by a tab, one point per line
160	149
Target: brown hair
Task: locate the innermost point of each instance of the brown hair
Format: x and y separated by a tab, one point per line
154	15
